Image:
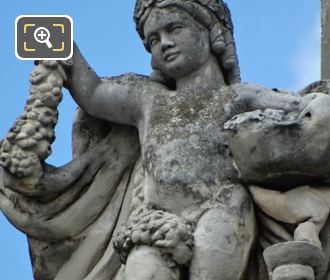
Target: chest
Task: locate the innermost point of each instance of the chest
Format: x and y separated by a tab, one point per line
176	114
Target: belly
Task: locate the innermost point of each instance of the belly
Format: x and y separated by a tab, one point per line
183	201
189	156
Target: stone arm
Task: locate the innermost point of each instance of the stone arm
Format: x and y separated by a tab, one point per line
248	98
103	98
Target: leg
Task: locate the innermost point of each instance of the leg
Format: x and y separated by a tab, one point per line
223	239
306	206
146	263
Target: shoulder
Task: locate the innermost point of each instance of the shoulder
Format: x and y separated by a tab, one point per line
134	81
322	86
127	78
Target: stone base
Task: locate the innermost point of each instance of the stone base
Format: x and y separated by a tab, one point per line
294	260
293	272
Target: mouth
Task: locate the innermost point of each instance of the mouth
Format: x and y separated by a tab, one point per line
168	57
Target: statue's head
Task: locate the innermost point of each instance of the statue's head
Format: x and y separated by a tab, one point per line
208	23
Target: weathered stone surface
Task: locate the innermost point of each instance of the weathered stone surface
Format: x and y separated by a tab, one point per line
186	174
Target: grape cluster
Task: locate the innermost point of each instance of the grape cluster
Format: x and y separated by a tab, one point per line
28	142
172	234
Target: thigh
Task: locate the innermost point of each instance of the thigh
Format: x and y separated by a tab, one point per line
223	238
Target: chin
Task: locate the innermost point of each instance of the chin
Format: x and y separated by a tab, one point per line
178	67
175	69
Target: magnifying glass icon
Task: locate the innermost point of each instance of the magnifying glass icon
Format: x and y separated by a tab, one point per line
42	35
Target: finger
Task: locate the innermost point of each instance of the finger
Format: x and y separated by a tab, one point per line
163	243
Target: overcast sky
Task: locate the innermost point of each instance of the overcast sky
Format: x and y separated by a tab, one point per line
278	46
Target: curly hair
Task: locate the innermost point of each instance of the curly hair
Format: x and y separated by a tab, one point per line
214	15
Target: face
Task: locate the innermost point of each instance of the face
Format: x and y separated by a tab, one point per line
179	45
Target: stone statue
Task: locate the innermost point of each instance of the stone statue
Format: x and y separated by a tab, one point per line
186	174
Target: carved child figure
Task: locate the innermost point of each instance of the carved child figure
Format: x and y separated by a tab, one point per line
180	114
201	132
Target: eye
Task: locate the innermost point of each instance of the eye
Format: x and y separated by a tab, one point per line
153	41
176	28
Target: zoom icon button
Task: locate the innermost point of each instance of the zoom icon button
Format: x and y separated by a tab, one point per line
44	37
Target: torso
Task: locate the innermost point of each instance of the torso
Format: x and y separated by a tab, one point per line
184	149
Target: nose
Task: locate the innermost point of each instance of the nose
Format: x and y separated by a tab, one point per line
166	43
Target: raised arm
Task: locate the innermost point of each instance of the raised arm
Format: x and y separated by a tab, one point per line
107	99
